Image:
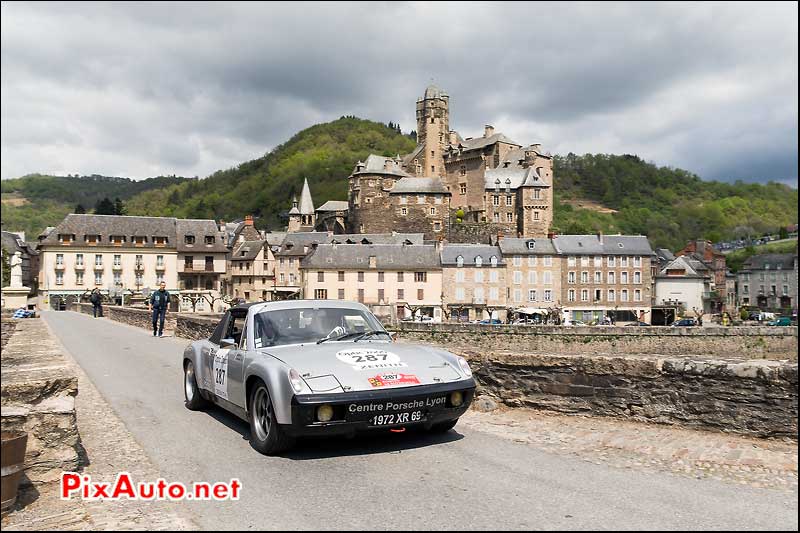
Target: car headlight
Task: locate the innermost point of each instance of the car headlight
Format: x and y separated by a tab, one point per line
324	413
295	380
456	398
464	366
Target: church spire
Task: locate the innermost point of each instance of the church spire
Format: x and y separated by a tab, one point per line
306	203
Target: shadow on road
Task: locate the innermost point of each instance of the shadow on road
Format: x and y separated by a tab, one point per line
326	447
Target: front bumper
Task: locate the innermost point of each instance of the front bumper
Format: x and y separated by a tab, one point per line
356	409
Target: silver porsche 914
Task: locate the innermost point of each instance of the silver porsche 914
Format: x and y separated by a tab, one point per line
320	367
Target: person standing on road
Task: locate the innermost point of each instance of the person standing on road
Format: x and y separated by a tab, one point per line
97	303
159	301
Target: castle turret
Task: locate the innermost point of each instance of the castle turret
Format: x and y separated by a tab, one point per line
433	130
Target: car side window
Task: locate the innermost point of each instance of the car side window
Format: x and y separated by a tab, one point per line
243	340
221	328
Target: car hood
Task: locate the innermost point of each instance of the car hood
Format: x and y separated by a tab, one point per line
358	366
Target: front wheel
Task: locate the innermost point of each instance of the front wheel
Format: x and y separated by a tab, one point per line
266	435
194	401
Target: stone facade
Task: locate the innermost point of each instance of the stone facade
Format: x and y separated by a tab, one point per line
533	274
769	281
474	282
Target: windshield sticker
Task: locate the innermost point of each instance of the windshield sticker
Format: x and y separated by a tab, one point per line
370	359
387	380
221	373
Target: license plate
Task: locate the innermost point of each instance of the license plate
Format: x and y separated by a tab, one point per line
390	419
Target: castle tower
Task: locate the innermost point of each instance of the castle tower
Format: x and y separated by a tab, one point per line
433	129
295	220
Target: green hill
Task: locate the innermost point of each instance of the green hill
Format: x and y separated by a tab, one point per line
35	201
325	154
669	205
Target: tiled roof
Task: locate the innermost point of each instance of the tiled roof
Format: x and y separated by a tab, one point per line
247	250
514	177
775	261
481	142
693	269
334	205
515	246
200	229
611	245
469	252
387	257
419	185
375	164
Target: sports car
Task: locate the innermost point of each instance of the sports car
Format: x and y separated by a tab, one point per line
320	367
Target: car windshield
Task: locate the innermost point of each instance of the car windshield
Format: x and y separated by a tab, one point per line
305	324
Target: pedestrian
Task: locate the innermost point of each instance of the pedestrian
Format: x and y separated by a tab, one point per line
97	303
159	301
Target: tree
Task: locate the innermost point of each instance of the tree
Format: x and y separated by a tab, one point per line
119	207
79	209
105	207
783	233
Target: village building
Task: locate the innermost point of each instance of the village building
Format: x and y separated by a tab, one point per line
769	282
474	282
533	276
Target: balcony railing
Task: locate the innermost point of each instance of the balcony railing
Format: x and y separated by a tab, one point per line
79	266
59	266
162	266
99	266
117	266
138	267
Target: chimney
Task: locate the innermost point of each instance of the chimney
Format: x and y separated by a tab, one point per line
600	237
499	237
551	235
452	137
248	220
222	225
488	130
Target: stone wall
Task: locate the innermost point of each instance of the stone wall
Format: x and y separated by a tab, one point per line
184	325
777	343
757	398
38	396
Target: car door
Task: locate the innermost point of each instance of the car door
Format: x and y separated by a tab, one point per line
220	359
209	351
236	362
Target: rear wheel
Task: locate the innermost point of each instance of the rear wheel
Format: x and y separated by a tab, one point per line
194	401
443	427
266	435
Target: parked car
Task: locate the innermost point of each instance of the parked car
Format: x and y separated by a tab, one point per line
782	321
491	321
570	322
684	322
320	367
638	324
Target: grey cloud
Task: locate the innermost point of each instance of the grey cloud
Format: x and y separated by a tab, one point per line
190	89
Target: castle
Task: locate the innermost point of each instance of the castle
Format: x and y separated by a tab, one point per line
449	187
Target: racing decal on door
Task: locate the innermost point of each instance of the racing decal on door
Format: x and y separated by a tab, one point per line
386	380
220	373
370	359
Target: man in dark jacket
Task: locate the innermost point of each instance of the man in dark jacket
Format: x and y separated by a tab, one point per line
97	303
159	301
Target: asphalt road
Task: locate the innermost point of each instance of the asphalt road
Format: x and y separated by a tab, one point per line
460	480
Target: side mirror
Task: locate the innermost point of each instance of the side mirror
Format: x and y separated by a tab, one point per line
227	343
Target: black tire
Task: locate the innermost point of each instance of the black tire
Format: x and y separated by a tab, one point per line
266	435
191	392
443	427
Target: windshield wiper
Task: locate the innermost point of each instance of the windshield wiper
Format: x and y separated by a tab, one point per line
370	333
339	338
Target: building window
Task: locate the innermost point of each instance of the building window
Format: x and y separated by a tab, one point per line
585	295
459	261
624	278
532	295
98	260
611	278
79	260
637	278
612	295
320	276
571	277
459	276
637	295
160	260
321	294
432	211
283	277
59	278
532	277
341	275
584	277
612	261
584	261
420	294
210	239
462	188
341	294
437	226
532	260
623	297
400	277
421	277
59	259
598	260
517	277
478	261
361	277
598	276
79	278
571	261
361	295
548	295
548	260
536	194
536	215
637	261
496	217
548	278
509	201
598	295
462	170
380	295
401	294
117	279
459	293
478	295
623	261
403	211
188	239
380	277
571	295
98	278
117	260
495	200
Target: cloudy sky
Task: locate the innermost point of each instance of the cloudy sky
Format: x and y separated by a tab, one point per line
188	89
